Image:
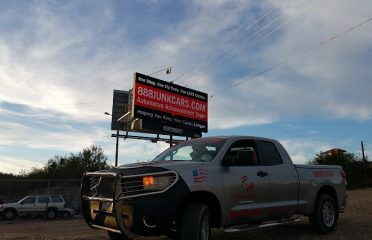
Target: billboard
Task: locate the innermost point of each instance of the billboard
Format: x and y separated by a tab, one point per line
168	107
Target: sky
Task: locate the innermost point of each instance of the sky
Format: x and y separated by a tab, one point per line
296	71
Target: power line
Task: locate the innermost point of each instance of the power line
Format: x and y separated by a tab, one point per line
241	50
225	54
236	35
235	109
167	70
293	57
63	104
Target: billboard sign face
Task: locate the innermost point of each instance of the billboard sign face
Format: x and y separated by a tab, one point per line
170	107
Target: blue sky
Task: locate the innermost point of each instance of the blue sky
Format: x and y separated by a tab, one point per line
61	60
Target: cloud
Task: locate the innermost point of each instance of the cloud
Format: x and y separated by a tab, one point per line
368	152
15	165
61	62
331	81
66	139
139	150
303	150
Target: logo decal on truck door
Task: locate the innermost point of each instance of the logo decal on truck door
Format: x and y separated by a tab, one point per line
246	184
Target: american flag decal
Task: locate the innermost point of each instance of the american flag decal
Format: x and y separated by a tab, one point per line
200	175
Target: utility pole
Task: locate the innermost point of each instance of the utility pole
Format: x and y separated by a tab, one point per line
117	143
364	157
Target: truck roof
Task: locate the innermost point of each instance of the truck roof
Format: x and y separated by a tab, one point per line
241	136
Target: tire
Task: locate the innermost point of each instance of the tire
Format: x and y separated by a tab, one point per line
51	214
196	223
9	214
65	214
325	215
117	236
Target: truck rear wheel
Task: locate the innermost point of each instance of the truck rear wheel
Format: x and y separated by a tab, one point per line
51	214
196	223
117	236
325	214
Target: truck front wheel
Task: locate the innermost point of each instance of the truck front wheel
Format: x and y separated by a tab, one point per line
325	214
51	213
9	214
196	223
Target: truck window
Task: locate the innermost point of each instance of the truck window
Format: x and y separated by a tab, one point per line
200	150
181	154
29	200
270	154
232	152
56	199
43	199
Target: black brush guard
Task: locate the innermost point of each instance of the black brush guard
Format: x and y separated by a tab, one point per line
102	203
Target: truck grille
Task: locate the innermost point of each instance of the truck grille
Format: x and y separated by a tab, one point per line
102	185
131	186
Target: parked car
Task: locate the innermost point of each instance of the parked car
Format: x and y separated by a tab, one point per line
38	205
237	183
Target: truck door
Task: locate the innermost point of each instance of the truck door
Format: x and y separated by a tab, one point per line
283	180
42	204
27	205
246	186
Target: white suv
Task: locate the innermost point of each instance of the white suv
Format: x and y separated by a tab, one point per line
49	205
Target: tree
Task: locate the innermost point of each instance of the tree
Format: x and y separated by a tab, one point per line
93	159
73	166
355	167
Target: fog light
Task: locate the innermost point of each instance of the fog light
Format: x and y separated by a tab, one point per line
148	181
149	221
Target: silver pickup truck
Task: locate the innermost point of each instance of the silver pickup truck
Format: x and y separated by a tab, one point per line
235	183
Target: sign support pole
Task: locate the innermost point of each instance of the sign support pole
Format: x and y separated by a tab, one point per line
117	148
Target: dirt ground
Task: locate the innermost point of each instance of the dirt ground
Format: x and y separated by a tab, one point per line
355	223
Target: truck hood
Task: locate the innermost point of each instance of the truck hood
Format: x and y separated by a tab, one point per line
170	165
6	205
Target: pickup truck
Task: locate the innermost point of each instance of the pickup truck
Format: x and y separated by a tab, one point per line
36	205
236	183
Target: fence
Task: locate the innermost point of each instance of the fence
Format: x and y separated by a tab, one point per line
14	190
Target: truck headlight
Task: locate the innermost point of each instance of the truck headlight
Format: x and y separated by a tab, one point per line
156	183
144	184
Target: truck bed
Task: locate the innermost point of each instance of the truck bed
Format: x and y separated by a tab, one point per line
314	177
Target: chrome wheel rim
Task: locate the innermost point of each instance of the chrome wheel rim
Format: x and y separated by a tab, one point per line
205	228
9	215
328	214
51	214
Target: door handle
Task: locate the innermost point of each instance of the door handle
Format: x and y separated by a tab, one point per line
262	173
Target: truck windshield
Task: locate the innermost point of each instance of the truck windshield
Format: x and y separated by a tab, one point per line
201	150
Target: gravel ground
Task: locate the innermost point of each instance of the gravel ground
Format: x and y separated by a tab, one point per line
355	223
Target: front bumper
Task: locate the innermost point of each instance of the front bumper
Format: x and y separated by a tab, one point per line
118	203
